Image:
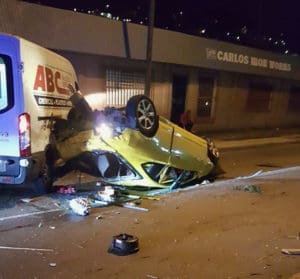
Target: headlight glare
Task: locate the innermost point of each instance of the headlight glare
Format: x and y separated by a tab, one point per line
104	131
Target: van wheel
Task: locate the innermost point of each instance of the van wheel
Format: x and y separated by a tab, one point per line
43	183
47	178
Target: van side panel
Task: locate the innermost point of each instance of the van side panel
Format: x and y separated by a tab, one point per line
46	77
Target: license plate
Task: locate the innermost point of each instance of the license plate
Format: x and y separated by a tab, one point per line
2	166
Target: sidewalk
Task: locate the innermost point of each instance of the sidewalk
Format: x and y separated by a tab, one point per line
254	137
227	144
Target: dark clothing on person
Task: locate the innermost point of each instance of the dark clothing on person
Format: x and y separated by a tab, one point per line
185	121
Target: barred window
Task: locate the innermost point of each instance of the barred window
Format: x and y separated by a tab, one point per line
121	85
205	97
294	99
259	97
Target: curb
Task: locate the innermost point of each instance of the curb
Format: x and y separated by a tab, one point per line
235	144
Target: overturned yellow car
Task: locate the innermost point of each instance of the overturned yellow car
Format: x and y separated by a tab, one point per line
133	147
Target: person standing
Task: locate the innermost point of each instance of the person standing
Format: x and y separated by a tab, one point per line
186	120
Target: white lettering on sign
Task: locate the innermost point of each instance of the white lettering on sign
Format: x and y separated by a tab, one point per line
259	62
45	101
279	66
239	58
232	57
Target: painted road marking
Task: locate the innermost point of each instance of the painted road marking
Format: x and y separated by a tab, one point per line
29	214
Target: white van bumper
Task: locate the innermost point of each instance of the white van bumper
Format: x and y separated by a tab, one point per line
14	170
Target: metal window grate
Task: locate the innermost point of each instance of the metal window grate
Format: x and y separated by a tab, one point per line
121	85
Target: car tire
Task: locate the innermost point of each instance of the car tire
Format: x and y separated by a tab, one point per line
143	110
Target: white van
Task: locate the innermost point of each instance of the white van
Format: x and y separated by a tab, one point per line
33	86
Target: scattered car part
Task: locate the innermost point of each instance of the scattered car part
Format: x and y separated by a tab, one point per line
124	244
80	206
291	251
107	195
131	205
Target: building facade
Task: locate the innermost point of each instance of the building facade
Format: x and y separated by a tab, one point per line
225	86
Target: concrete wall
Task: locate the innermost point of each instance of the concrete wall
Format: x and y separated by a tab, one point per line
94	44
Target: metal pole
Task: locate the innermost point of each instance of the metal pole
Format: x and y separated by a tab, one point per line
149	47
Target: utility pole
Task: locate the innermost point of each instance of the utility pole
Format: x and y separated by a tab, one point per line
149	47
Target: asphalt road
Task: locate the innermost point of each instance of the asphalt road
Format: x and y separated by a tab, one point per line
244	161
235	162
47	224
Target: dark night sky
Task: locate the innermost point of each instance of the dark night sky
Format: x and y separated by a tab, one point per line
269	24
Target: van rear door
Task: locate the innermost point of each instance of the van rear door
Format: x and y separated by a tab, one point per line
11	107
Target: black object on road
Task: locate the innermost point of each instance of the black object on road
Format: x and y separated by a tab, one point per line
124	244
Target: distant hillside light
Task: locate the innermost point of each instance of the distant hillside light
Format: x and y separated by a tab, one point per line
244	30
184	19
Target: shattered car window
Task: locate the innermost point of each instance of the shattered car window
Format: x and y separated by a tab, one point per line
167	175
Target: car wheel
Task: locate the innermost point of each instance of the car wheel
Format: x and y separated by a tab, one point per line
143	110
